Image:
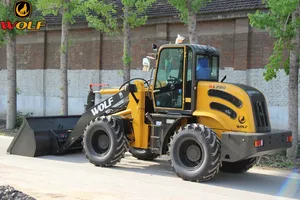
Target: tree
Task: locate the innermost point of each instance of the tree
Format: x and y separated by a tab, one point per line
97	13
133	17
282	21
8	38
188	13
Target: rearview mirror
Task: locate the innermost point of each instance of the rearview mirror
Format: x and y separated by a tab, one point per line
146	64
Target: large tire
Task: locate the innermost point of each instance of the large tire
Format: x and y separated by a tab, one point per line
104	143
195	153
143	154
239	166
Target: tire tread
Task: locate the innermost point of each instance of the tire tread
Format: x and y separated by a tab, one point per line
213	144
122	143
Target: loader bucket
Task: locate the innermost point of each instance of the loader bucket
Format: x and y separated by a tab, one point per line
39	136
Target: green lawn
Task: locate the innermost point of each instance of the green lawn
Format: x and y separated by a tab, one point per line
1	133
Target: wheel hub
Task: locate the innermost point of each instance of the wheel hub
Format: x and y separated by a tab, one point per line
100	142
103	141
190	153
193	153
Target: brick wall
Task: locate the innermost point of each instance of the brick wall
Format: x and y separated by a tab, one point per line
84	49
240	46
261	46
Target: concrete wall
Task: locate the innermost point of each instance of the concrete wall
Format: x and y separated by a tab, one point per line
94	57
41	94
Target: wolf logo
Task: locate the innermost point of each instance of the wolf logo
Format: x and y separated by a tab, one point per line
22	9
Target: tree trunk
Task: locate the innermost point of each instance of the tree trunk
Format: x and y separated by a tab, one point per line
11	82
64	63
192	24
293	92
126	47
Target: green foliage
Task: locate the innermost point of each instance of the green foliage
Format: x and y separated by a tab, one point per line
105	21
120	73
126	59
277	21
182	7
20	117
137	8
279	160
135	17
18	91
98	14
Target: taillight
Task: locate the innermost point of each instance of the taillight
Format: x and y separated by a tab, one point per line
289	138
258	143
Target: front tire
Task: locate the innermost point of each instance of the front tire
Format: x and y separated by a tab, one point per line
195	153
239	166
104	143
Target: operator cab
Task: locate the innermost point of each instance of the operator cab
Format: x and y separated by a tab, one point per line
179	68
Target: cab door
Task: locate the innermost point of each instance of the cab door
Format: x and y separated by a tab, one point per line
169	84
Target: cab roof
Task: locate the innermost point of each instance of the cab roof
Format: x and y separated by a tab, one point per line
197	48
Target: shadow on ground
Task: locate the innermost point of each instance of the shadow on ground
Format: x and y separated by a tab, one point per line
278	186
77	157
261	183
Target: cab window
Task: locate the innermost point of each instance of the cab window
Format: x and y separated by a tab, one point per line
169	80
207	68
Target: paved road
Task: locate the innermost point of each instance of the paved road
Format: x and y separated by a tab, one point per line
72	177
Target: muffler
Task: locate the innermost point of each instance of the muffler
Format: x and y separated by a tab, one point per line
39	136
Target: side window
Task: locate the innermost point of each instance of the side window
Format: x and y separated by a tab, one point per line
215	67
189	65
203	69
207	67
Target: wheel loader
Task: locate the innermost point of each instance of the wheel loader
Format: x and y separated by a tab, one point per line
183	111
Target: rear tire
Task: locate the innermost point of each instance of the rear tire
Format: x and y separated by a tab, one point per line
195	153
104	143
143	154
239	166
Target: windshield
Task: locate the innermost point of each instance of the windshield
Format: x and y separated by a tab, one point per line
207	68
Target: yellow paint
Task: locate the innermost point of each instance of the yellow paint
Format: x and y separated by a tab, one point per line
123	113
141	130
109	91
217	120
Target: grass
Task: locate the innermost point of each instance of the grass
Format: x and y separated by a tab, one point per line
3	134
279	161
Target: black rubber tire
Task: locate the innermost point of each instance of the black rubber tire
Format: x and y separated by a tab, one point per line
238	167
210	158
117	145
143	154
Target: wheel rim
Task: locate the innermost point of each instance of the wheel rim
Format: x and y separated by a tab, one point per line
100	142
190	153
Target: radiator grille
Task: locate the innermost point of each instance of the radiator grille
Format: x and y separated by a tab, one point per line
261	116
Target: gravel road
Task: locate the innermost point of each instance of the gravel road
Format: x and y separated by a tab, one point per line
72	177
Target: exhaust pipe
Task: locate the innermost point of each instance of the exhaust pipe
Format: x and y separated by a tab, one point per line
40	136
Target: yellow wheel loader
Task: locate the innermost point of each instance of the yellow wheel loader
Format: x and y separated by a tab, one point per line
184	111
